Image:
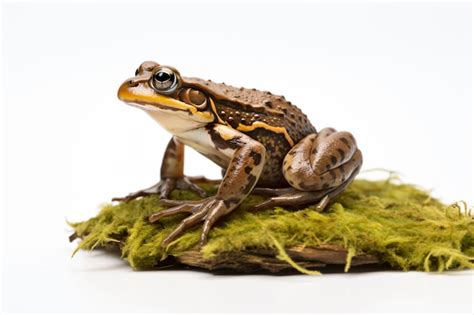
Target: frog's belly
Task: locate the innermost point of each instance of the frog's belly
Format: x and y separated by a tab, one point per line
200	140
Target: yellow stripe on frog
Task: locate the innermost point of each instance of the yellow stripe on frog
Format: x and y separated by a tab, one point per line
259	124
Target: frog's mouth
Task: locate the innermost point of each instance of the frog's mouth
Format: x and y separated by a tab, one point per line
144	97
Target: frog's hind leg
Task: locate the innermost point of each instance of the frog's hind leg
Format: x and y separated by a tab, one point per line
318	168
321	161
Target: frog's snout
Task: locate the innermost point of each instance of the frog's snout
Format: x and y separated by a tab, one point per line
124	90
132	87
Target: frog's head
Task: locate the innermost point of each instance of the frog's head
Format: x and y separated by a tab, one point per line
161	91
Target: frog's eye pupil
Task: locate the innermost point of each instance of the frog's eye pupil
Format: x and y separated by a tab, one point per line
137	72
162	76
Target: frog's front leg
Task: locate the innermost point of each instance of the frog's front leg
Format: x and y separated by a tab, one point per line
247	158
171	175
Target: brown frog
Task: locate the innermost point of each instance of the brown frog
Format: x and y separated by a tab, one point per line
262	142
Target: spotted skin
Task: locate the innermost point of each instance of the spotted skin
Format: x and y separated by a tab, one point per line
276	147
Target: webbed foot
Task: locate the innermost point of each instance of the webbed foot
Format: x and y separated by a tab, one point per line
208	211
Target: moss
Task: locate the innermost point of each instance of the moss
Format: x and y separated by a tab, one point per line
399	224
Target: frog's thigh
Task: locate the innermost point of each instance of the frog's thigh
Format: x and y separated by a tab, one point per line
322	161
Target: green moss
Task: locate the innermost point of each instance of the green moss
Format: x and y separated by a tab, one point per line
398	223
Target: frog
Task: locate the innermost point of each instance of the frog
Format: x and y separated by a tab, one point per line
263	143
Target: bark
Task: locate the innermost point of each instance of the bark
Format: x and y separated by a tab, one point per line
255	260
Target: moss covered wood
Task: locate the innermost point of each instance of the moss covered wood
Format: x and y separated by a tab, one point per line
372	222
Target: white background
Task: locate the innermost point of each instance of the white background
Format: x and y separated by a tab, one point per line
396	75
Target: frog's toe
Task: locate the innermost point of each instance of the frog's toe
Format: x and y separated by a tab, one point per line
120	199
167	185
215	211
164	188
186	183
273	191
183	208
208	211
186	224
172	202
155	189
292	199
128	197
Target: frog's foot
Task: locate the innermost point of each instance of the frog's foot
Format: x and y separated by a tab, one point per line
207	210
293	197
204	180
273	191
164	188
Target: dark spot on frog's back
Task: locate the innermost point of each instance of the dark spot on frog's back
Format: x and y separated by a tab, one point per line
234	122
268	103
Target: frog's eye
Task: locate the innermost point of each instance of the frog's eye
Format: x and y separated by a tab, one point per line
164	81
137	71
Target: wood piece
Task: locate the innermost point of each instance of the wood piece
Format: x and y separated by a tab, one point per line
258	259
239	261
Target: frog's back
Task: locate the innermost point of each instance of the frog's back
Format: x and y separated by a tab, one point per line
267	118
241	107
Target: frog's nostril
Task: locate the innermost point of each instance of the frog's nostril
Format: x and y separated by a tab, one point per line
132	83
